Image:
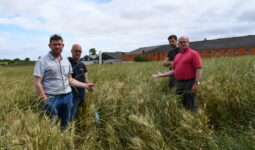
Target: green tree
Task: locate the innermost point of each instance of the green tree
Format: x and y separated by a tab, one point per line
16	59
92	51
27	59
140	58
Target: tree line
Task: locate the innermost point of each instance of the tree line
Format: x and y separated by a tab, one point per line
13	61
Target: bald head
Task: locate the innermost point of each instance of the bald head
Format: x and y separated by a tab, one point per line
76	52
184	38
76	46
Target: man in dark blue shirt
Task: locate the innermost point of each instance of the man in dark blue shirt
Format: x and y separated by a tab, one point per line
79	73
168	61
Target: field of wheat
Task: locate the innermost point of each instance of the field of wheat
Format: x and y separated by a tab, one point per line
136	111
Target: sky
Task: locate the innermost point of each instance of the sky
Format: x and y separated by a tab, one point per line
116	25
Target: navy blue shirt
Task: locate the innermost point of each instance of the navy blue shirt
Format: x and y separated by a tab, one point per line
173	53
79	71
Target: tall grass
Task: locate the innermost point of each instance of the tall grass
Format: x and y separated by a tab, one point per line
136	111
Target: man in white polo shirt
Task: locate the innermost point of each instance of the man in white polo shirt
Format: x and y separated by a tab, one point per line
52	78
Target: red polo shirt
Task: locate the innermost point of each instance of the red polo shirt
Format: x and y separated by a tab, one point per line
185	64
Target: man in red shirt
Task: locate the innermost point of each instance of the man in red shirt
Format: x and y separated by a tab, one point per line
187	70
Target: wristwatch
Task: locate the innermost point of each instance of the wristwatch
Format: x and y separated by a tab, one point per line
197	82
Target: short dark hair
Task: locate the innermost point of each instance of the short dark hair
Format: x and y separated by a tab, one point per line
172	36
55	37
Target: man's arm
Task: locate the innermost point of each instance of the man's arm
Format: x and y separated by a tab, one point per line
167	62
75	83
197	79
198	74
39	88
158	74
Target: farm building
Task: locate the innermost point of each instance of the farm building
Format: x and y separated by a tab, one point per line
107	58
112	57
224	47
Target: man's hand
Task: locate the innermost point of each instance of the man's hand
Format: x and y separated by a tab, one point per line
194	88
44	98
157	75
90	86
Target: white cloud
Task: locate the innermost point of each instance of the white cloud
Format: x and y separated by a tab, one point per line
124	25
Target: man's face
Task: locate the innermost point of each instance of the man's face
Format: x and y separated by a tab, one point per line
56	47
172	43
183	43
76	52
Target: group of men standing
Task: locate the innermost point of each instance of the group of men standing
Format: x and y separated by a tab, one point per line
54	75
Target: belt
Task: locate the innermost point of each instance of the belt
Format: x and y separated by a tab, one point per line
186	80
64	94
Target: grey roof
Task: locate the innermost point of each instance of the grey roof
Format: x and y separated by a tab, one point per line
112	55
142	50
233	42
160	49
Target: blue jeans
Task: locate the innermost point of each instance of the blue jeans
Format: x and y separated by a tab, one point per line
59	107
77	102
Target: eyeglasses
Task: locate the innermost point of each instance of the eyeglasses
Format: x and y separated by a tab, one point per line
182	42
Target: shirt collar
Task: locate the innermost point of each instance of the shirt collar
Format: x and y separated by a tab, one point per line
187	49
51	57
72	60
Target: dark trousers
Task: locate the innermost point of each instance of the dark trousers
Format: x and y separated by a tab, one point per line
77	102
183	88
171	82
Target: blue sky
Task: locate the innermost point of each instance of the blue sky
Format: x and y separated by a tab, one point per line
103	1
117	25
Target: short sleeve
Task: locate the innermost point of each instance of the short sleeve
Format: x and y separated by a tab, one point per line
168	55
39	69
197	63
171	56
70	70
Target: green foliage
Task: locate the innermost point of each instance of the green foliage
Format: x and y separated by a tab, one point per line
136	111
92	51
6	61
3	63
27	59
140	58
16	62
16	59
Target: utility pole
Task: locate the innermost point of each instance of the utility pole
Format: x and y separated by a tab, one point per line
100	57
